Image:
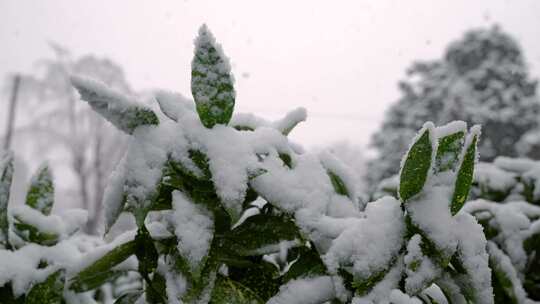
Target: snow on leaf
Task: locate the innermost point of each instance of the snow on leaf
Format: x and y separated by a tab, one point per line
40	196
471	260
348	251
100	271
505	277
420	269
293	118
305	291
381	290
451	138
261	234
147	153
248	122
194	229
49	291
129	297
35	227
31	233
114	198
117	108
340	175
211	81
227	291
173	105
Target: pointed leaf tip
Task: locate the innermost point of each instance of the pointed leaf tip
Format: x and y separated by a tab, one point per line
465	174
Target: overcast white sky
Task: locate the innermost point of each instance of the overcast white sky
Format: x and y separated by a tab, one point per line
339	59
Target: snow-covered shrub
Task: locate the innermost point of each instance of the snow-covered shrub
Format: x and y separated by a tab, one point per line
481	78
508	179
39	250
513	233
228	210
505	201
425	249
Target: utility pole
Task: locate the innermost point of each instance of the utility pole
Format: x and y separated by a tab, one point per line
11	113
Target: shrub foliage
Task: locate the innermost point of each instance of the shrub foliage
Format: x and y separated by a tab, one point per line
228	210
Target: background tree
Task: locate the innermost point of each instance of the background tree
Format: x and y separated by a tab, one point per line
80	145
481	79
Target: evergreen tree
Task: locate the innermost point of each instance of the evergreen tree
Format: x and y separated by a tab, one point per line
481	79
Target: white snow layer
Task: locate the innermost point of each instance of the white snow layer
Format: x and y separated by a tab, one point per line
117	108
305	291
21	266
60	225
513	220
367	246
362	243
194	228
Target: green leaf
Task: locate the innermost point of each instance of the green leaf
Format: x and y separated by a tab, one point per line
364	285
464	177
32	234
451	290
308	264
201	161
205	279
100	271
461	272
448	151
156	289
286	158
532	272
49	291
6	177
416	167
7	296
227	291
260	231
429	299
114	106
146	252
200	191
337	183
129	298
243	128
429	249
261	277
251	196
97	280
503	288
211	81
41	193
